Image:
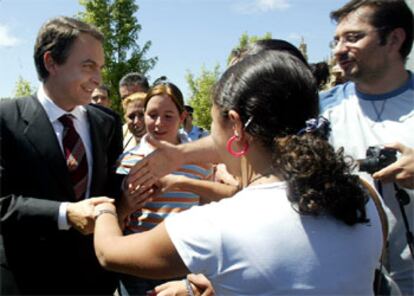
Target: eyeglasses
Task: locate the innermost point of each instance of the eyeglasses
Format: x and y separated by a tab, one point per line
351	38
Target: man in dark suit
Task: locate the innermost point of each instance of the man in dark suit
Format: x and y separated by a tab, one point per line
45	216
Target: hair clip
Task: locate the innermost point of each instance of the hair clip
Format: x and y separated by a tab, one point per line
319	126
248	122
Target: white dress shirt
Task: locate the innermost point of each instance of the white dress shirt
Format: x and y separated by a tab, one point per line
81	125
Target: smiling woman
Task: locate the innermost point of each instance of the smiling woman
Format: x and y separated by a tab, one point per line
163	115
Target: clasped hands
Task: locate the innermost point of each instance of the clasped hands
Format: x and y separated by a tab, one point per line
81	214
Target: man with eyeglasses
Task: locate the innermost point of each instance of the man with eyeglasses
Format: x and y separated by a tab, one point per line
376	107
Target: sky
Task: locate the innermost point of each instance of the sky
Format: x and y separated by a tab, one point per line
186	35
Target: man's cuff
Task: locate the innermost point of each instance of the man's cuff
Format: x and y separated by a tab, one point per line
62	219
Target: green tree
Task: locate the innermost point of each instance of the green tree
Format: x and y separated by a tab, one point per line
200	98
23	88
201	86
117	21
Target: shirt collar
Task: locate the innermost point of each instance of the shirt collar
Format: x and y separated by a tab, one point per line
53	111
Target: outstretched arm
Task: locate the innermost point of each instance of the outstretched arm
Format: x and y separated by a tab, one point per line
167	158
207	190
150	254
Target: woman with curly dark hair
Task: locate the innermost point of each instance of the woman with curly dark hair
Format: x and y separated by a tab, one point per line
301	224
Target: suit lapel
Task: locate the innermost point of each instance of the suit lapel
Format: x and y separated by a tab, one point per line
40	133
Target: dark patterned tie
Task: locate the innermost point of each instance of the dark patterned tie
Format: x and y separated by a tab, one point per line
75	154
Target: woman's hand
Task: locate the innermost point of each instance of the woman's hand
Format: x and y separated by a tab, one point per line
198	283
134	199
162	161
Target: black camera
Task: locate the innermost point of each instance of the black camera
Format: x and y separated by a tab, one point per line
377	159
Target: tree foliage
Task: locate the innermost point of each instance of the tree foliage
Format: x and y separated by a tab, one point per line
244	41
117	21
23	88
200	88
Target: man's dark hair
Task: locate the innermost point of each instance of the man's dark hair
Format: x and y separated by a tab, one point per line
134	78
57	36
388	15
104	88
321	73
188	108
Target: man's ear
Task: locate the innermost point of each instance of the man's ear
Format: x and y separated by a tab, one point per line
395	39
49	62
183	116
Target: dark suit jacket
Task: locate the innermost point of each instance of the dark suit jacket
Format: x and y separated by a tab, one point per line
36	257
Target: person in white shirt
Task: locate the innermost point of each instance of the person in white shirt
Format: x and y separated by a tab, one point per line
301	224
376	108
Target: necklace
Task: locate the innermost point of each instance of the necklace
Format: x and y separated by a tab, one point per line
258	177
380	111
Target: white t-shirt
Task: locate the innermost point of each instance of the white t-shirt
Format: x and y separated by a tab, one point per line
358	121
256	244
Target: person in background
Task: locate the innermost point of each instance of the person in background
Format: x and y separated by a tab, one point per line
56	152
100	96
164	113
167	158
337	76
131	83
321	73
193	132
306	212
376	108
134	127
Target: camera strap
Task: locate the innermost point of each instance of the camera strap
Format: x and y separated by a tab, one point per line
403	199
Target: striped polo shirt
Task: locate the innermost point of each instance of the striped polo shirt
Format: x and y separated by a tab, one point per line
168	203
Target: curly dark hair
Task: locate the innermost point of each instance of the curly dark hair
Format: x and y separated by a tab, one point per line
319	179
277	93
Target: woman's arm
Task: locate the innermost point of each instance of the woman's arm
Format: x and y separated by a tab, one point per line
207	190
167	158
150	254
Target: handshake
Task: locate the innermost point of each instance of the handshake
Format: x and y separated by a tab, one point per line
81	215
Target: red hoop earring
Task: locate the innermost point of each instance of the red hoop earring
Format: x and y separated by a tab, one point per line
240	153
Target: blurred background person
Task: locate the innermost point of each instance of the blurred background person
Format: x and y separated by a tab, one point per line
337	76
101	96
193	132
131	83
321	73
134	127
